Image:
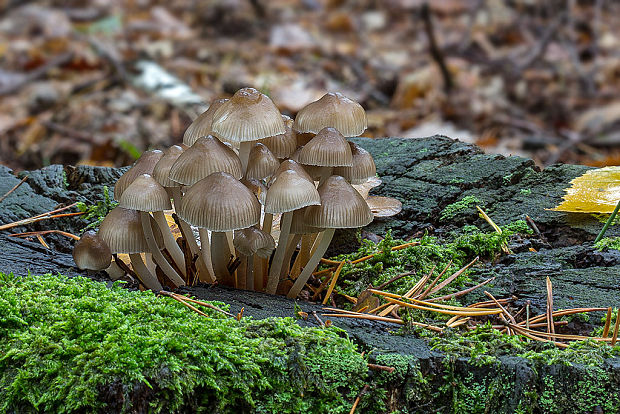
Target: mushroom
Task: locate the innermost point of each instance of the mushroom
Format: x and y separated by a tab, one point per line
282	145
247	117
261	162
248	242
147	195
290	191
202	124
91	252
143	165
341	207
122	231
362	168
327	149
219	203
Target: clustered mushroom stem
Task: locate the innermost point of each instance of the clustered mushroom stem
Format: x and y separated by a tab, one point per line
146	277
244	154
249	273
307	240
159	258
205	269
278	257
169	241
293	240
220	256
205	253
267	223
242	271
259	266
312	263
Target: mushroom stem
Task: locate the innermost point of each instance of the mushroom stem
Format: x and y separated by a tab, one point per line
242	271
267	223
205	269
146	277
169	241
293	239
244	154
220	256
249	273
304	254
157	256
326	172
278	258
259	265
205	253
312	263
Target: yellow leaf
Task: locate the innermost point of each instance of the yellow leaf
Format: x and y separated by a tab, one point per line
596	191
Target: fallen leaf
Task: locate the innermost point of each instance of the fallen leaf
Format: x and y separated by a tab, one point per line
596	191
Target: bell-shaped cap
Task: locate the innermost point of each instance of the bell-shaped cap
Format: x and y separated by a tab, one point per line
143	165
251	240
298	223
257	187
248	116
261	162
220	203
206	156
332	110
201	127
282	145
122	231
91	252
313	171
161	172
327	149
342	207
145	194
292	165
362	169
289	192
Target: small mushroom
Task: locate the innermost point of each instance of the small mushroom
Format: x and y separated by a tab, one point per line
201	126
91	252
143	165
332	110
328	149
248	242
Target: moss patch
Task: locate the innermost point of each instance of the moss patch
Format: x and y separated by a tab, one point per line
73	345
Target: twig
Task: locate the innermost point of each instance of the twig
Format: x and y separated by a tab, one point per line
13	189
316	316
376	367
69	132
359	397
178	299
124	267
205	304
332	284
454	276
42	232
607	323
42	216
461	293
614	338
550	326
436	53
394	279
434	282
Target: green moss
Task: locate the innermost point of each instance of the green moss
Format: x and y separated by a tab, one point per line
452	210
525	191
67	343
95	213
608	243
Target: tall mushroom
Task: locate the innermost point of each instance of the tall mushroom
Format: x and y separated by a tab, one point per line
247	117
341	207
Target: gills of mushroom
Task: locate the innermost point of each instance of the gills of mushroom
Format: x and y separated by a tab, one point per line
219	203
289	192
249	242
145	195
341	207
122	231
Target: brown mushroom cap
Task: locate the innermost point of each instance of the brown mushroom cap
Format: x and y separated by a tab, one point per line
257	187
298	223
362	169
248	116
282	145
327	149
292	165
145	194
289	192
341	206
261	163
249	241
143	165
91	252
161	172
201	126
220	202
332	110
206	156
121	229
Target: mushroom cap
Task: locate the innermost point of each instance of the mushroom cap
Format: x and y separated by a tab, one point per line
313	171
91	252
332	110
143	165
250	240
292	165
206	156
256	187
327	149
342	207
362	169
298	223
220	202
161	172
121	229
145	194
261	162
282	145
248	116
201	126
289	192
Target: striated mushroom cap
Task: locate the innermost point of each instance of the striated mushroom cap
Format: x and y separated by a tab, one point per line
91	252
201	127
361	170
145	194
261	162
289	192
327	149
143	165
252	240
332	110
121	229
282	145
161	172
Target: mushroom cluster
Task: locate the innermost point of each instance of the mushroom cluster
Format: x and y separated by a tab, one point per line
241	168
